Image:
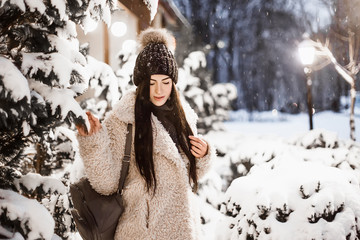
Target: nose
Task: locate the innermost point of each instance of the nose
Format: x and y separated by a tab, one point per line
157	88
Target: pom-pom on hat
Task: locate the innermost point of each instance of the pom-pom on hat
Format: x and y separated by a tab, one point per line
156	56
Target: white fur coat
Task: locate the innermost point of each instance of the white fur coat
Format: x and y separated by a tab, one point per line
169	214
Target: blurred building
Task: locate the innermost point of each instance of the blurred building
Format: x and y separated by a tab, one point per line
131	17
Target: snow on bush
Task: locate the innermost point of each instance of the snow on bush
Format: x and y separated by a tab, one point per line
283	188
325	147
317	138
315	146
294	200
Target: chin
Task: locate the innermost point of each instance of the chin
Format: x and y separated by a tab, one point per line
159	104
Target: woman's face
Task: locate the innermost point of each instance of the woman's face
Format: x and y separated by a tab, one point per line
160	89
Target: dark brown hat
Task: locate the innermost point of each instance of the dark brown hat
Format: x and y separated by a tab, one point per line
156	56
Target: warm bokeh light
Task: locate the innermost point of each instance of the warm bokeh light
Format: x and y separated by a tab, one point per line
118	29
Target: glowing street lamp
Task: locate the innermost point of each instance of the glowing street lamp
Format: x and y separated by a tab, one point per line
306	51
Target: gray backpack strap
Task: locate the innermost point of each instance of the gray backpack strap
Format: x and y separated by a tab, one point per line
126	159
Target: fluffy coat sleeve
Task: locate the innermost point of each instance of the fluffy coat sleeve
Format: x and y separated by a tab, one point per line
102	153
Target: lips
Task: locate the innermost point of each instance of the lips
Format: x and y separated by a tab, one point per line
158	98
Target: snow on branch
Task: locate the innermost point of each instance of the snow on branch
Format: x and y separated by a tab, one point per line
69	49
340	69
14	83
323	50
61	7
104	73
32	180
62	99
54	63
15	207
152	5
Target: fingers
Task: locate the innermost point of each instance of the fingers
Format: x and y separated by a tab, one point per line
95	126
195	154
198	147
92	122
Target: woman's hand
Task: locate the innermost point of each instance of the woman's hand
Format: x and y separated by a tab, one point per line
95	126
199	147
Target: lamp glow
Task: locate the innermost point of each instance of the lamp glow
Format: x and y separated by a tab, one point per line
306	52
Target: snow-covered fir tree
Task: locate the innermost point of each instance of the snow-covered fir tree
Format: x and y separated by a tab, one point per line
104	89
42	70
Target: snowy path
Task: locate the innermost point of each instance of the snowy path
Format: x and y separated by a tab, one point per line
285	125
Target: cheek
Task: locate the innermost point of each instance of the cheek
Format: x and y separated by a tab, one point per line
151	91
168	89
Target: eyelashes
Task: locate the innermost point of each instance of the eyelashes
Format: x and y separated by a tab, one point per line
166	83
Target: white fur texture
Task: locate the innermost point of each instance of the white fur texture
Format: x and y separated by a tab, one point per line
169	214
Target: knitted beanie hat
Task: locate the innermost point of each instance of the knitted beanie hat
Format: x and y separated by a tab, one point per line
155	56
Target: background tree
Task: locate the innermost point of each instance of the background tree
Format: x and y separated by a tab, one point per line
345	44
253	44
338	46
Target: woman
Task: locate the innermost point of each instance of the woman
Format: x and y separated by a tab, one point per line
167	158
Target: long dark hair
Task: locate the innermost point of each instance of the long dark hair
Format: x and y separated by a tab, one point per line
144	137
